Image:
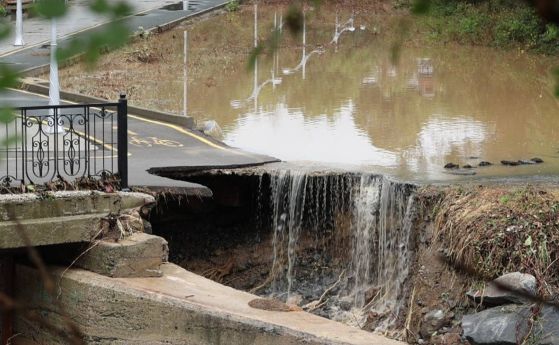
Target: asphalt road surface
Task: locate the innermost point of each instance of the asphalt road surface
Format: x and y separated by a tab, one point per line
154	144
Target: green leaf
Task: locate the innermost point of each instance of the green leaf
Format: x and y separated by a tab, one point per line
5	29
114	36
254	56
8	77
528	242
100	6
121	9
6	115
50	8
294	19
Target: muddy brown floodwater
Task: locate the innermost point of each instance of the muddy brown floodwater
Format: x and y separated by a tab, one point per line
348	104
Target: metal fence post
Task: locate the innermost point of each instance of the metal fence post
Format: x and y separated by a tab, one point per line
122	123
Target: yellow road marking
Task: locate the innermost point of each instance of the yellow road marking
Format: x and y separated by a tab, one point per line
165	124
183	131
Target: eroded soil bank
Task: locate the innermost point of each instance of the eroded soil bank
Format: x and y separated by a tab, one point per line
460	238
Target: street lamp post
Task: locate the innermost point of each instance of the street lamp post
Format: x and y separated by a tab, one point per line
185	100
19	24
54	85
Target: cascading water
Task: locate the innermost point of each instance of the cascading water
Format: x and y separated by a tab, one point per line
359	227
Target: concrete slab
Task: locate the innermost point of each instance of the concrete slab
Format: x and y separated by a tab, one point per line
136	256
178	308
60	217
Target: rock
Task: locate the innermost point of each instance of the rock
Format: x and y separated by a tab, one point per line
212	129
494	294
432	322
511	163
451	166
447	339
510	324
485	164
467	166
537	160
346	303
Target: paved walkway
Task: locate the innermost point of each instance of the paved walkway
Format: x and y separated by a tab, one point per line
151	143
148	14
79	17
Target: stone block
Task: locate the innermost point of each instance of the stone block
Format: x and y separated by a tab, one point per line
139	255
512	287
513	324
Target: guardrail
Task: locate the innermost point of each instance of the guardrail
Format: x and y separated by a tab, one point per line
65	142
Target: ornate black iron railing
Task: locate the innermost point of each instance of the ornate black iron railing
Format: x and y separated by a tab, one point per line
67	142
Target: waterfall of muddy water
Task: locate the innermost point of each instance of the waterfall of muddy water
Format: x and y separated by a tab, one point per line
357	226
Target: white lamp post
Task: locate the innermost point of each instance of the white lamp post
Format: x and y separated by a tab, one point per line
19	24
185	5
54	85
340	29
185	74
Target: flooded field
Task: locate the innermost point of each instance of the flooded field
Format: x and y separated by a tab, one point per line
346	103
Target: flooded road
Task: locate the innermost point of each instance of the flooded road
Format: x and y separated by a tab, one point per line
347	104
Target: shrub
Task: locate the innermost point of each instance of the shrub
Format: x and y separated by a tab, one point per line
232	6
551	33
518	27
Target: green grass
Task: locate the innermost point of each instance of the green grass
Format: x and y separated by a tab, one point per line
232	6
499	23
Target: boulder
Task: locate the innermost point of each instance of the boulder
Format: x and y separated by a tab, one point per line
496	293
451	166
511	325
432	322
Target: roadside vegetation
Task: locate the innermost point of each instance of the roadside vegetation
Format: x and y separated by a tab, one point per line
497	230
497	23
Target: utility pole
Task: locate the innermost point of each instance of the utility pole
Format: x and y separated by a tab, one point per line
256	57
185	73
54	85
19	24
304	44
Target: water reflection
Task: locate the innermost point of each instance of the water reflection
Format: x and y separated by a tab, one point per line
422	79
341	28
257	88
289	135
357	107
305	58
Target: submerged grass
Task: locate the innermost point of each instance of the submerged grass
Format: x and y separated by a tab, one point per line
496	230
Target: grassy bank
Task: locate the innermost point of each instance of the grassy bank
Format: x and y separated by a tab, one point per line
473	234
497	23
